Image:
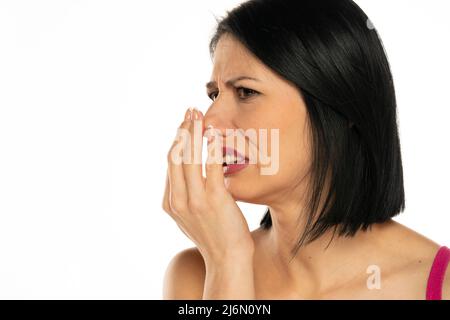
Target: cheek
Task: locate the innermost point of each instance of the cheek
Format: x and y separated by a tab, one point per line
294	162
293	155
294	159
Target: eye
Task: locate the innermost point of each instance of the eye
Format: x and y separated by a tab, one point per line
245	93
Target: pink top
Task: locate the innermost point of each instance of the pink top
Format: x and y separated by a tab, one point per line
437	274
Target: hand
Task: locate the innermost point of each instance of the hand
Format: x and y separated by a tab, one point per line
202	207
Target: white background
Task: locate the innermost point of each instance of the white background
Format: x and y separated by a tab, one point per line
91	94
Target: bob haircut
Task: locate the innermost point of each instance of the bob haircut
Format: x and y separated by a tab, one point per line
332	53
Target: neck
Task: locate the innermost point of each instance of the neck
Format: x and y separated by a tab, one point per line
319	265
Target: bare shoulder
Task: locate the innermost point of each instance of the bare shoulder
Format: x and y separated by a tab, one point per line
413	254
185	276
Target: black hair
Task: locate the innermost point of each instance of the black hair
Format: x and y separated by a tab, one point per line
331	52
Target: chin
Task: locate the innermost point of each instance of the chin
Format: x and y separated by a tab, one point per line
245	188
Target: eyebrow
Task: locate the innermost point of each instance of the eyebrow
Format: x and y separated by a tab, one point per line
213	84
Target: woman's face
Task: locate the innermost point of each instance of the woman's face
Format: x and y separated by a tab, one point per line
264	102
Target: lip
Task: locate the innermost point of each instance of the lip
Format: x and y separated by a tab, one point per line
233	168
234	152
236	167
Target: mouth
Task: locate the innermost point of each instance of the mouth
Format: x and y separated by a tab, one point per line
233	161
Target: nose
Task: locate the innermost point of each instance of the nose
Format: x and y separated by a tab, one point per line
220	116
223	115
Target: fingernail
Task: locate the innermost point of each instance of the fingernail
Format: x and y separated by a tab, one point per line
196	115
210	133
208	130
187	114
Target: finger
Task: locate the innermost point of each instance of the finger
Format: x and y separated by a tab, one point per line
166	206
165	201
177	184
214	168
193	168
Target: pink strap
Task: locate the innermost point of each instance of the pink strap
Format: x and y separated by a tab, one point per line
437	274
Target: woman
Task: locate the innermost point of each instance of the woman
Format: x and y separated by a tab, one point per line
316	71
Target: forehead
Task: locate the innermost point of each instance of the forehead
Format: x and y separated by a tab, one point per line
231	58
